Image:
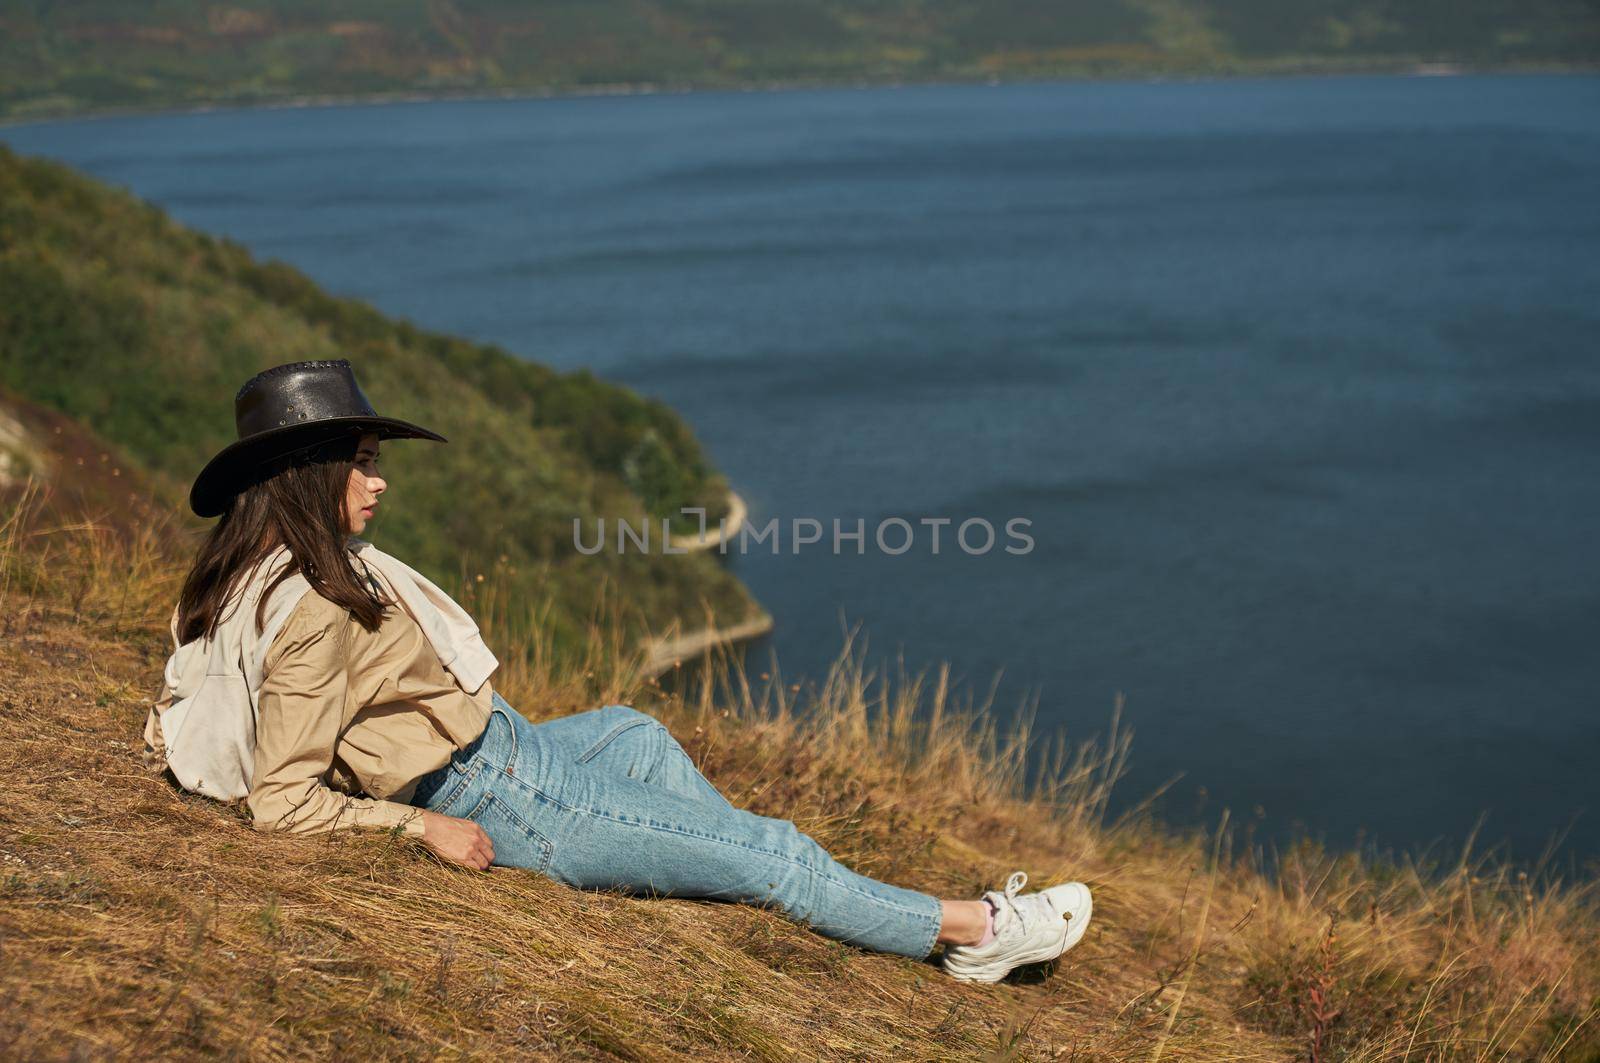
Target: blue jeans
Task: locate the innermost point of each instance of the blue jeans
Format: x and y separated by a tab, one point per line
607	799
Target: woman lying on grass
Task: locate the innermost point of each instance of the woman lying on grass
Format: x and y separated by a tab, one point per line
330	685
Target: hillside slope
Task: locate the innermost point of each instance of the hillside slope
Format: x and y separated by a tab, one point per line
66	58
115	314
140	922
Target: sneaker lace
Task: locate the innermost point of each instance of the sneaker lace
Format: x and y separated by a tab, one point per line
1016	918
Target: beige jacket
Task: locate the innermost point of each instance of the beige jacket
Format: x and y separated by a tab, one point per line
203	725
349	719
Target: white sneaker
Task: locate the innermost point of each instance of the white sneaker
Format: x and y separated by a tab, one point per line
1028	929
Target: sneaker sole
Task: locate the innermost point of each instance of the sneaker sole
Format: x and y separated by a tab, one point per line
990	974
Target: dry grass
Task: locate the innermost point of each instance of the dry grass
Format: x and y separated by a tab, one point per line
136	920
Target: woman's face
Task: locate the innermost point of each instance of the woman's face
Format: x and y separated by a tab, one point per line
361	495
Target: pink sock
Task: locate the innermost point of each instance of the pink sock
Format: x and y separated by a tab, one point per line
988	927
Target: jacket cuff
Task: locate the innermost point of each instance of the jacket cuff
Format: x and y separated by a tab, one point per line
407	817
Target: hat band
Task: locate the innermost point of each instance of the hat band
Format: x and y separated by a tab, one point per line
287	458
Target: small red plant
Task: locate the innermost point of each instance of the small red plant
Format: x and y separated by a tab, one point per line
1318	1003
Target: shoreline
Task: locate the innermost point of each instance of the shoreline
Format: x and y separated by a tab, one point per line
1412	68
715	535
664	653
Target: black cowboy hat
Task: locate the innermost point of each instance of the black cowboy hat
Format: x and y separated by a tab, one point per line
285	409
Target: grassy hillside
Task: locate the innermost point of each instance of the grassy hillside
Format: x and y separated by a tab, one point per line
140	922
115	314
62	58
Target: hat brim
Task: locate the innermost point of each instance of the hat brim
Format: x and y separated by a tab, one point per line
234	465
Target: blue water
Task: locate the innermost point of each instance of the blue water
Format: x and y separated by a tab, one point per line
1297	381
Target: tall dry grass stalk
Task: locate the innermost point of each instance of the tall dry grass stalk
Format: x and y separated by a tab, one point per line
912	733
104	570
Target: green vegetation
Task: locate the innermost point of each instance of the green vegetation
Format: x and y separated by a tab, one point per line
66	58
115	314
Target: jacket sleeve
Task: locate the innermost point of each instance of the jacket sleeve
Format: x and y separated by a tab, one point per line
299	715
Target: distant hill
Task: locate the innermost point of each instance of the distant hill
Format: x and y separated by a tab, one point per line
66	58
114	314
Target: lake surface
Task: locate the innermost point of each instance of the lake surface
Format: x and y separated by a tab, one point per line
1298	382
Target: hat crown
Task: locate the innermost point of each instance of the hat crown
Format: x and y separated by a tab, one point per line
299	393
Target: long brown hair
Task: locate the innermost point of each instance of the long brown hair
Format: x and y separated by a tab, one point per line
297	500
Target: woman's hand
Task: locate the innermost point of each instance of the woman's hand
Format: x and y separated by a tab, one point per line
460	841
